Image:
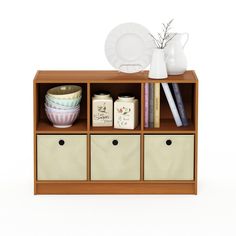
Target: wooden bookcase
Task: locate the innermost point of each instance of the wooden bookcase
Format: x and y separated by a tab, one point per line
116	83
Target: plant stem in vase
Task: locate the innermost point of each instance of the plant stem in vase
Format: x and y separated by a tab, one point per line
158	68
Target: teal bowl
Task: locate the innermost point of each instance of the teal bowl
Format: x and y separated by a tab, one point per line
64	102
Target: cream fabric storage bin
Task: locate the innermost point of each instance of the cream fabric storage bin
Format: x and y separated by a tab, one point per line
115	157
168	157
61	157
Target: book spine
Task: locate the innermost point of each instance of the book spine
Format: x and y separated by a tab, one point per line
180	105
146	104
172	105
151	97
157	105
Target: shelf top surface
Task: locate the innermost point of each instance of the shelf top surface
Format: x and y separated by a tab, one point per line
108	76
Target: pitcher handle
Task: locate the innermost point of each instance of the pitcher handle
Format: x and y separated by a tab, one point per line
186	40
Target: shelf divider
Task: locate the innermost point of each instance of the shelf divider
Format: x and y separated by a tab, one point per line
142	106
88	106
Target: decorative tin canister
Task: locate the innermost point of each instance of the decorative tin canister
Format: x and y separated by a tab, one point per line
126	112
102	107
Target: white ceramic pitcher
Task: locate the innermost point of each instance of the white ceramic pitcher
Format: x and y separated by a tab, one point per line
176	61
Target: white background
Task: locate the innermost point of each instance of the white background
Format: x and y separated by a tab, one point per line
70	35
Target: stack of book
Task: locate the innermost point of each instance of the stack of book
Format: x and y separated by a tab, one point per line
152	104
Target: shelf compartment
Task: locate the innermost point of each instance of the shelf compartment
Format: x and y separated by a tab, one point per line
115	157
169	126
115	90
45	127
167	122
42	122
56	161
164	162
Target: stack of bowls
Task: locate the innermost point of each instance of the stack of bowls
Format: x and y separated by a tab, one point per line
62	105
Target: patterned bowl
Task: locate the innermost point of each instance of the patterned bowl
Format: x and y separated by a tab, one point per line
65	92
55	105
58	108
73	102
62	119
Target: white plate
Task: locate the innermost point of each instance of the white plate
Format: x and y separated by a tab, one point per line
129	47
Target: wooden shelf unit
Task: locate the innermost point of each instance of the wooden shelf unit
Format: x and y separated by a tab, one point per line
115	82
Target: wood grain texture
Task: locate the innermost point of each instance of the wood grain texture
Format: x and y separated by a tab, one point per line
45	127
110	130
106	76
196	136
88	136
35	110
115	188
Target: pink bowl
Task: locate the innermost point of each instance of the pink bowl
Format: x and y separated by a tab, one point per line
62	119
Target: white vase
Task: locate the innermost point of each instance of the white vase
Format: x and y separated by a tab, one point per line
176	61
158	65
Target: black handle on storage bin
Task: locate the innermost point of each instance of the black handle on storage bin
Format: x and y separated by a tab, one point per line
115	142
168	142
61	142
